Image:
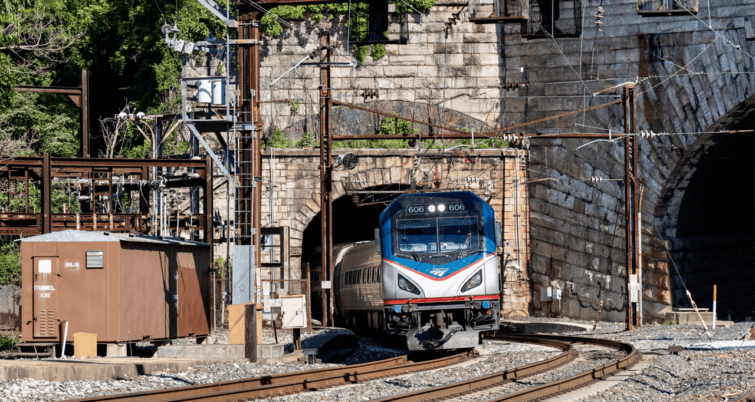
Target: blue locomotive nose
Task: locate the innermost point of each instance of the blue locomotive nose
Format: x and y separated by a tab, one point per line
485	304
396	309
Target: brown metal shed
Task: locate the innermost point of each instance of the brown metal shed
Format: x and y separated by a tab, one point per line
121	287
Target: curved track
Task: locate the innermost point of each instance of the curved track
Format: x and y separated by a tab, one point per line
554	388
290	383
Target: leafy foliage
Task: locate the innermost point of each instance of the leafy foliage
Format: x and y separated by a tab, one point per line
307	140
294	106
378	51
10	263
389	125
7	342
278	140
357	21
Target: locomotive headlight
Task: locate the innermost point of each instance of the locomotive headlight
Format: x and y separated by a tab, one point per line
441	208
431	208
473	282
404	284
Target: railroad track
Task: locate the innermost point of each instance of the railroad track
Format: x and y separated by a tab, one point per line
290	383
534	393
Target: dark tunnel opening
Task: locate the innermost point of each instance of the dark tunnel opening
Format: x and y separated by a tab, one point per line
714	237
355	218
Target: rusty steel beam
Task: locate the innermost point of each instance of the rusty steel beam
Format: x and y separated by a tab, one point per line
80	97
346	137
84	105
272	3
326	167
628	207
46	194
128	163
103	163
50	90
558	116
631	94
208	202
424	123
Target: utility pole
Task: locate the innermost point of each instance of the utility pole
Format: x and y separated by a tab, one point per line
249	193
326	167
631	186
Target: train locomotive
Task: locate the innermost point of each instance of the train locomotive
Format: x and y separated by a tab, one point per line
431	275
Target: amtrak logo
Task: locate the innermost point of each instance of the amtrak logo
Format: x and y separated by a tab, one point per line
439	271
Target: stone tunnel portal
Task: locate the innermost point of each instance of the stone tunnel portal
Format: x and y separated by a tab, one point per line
355	218
714	230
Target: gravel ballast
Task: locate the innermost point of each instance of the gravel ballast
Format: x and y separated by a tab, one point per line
495	356
712	367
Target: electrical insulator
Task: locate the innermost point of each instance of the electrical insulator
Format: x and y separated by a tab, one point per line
452	20
648	134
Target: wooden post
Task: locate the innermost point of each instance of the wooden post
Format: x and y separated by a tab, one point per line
714	306
297	339
250	332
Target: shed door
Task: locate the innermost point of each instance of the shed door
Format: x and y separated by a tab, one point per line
192	315
45	297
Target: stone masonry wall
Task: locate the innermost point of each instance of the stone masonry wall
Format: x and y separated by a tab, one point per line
297	195
693	78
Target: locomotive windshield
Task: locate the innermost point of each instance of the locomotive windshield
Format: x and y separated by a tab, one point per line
436	236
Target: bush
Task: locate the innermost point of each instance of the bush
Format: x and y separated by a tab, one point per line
278	140
307	140
10	263
7	342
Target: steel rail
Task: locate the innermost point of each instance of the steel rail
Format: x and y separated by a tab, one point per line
747	396
499	378
282	384
580	380
479	383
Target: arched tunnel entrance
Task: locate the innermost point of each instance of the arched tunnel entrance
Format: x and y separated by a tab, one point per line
714	230
355	218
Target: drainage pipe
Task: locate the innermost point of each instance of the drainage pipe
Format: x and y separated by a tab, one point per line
63	342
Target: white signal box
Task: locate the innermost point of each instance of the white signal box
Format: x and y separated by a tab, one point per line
294	311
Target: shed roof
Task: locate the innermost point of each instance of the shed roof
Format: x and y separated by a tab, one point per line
79	236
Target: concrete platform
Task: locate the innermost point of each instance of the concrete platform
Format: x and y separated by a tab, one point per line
546	327
690	317
200	352
324	342
97	368
176	358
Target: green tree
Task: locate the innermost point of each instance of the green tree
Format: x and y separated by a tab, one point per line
357	24
10	262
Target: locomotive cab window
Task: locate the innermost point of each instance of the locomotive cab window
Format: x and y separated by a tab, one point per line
449	236
457	234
